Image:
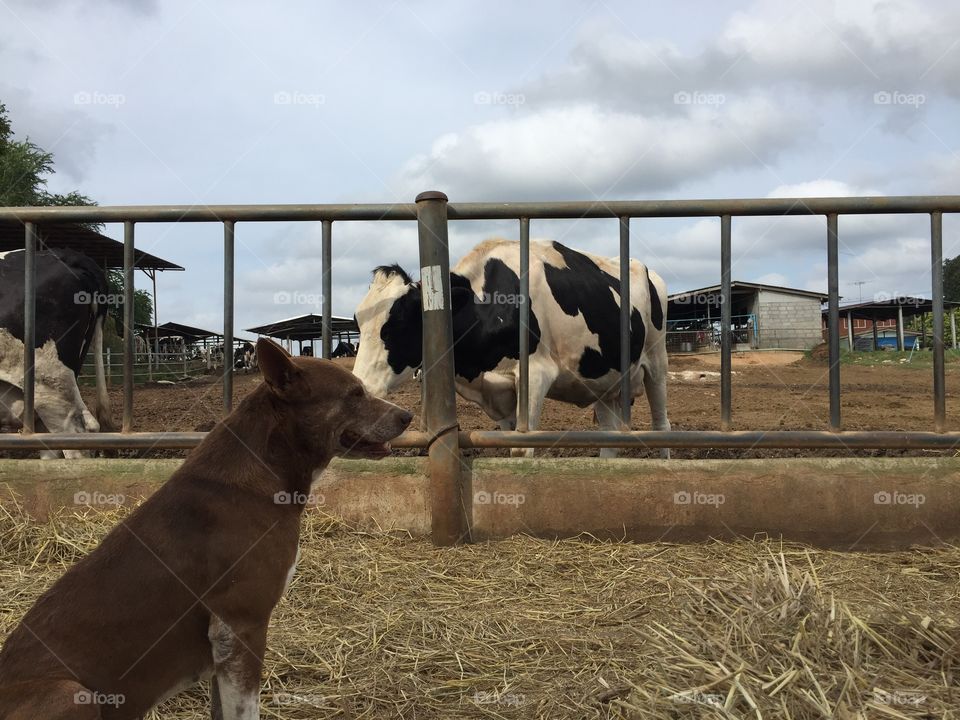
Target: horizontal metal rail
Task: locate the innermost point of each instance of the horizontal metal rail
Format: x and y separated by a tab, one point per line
718	439
491	211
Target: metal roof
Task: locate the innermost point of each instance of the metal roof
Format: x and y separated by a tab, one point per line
887	309
748	286
305	327
105	251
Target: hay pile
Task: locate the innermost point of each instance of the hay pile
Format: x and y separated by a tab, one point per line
377	625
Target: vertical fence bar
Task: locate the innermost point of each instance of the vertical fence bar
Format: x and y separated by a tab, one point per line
726	307
448	517
228	237
327	288
29	323
626	306
936	271
523	392
129	352
833	318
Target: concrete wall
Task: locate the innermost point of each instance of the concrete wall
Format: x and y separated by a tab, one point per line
861	503
788	321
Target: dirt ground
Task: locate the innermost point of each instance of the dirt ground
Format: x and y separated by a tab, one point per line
771	391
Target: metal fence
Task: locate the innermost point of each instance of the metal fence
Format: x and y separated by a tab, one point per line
705	334
432	212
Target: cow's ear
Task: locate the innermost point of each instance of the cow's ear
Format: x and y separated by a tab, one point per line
460	297
278	370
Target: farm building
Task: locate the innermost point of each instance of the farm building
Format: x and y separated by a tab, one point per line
879	324
309	329
762	316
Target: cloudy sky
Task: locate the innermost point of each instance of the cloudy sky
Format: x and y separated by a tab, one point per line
207	101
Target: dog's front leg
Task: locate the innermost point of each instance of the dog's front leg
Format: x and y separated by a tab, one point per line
237	660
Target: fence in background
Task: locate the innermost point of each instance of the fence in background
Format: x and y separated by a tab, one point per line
432	212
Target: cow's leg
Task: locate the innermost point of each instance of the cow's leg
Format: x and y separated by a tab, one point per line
608	418
542	376
237	659
655	386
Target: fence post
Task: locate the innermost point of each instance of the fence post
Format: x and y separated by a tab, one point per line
833	319
327	286
449	524
29	324
726	309
936	272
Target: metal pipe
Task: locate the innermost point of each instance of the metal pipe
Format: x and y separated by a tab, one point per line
900	343
129	350
936	271
228	254
833	318
492	211
327	288
449	524
726	309
523	391
850	331
750	439
626	307
29	324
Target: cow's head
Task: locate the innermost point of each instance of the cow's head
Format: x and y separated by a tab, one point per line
391	330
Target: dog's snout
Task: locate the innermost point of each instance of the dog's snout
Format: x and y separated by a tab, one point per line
404	418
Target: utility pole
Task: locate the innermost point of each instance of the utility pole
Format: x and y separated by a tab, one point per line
860	284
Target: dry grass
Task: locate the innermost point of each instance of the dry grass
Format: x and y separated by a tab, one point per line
378	625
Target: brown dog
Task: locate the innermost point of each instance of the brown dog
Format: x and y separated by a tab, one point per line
183	589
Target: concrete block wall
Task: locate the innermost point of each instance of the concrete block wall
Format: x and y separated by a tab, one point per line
788	321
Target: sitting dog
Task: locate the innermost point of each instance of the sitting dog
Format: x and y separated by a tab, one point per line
182	589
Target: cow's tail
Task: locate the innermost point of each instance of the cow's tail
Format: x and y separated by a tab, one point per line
102	409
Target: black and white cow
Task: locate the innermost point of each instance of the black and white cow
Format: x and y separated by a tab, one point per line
574	331
71	307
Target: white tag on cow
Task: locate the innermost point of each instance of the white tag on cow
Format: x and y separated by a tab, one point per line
431	280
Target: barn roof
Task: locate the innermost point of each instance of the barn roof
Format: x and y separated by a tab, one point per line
742	287
305	327
105	251
887	309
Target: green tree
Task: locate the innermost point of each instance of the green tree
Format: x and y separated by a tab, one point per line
24	169
951	279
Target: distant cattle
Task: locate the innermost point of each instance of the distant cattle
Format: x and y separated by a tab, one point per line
574	336
246	358
344	349
71	306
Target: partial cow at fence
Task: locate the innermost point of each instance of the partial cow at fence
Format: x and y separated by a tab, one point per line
574	331
71	306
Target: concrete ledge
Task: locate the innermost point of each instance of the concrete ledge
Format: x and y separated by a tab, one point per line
876	503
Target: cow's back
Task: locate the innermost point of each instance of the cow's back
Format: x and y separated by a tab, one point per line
71	294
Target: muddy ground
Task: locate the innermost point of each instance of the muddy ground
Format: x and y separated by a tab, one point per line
771	391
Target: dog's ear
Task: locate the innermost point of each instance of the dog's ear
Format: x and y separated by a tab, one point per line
275	365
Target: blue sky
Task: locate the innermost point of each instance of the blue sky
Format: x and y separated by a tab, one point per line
241	102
